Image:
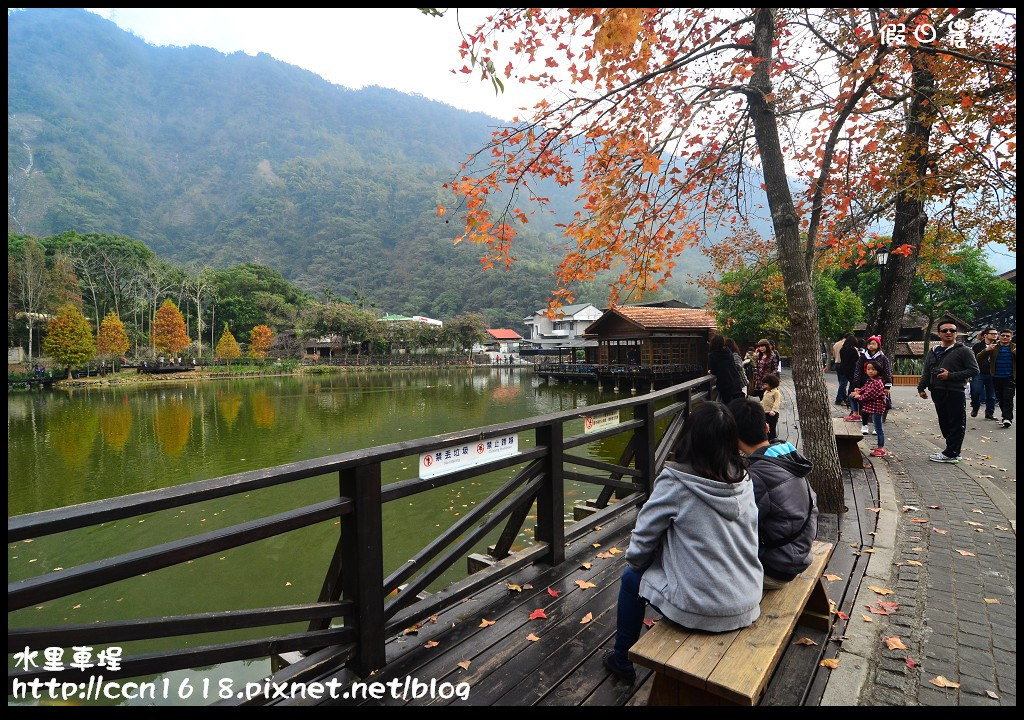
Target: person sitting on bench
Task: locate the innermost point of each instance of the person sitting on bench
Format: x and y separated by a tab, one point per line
693	553
787	508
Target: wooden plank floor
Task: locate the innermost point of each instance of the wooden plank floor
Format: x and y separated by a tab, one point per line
563	667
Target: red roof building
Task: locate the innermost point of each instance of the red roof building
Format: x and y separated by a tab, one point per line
504	334
632	335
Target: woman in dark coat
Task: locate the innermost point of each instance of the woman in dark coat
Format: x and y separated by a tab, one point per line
723	366
848	356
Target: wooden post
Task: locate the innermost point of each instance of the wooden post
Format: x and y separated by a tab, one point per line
644	444
551	498
362	540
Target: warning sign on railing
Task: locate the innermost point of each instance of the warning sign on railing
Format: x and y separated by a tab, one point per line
459	457
602	421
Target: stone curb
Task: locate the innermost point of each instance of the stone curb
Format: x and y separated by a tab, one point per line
845	683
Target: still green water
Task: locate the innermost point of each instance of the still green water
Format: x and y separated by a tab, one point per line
66	448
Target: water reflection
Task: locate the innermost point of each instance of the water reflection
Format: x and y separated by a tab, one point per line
172	423
116	424
72	431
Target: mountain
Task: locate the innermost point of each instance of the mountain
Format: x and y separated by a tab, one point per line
224	159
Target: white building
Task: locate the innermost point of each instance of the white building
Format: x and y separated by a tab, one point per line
565	330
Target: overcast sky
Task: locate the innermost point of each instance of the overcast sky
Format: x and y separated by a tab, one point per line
398	48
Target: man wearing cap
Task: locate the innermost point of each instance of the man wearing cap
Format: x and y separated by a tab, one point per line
947	370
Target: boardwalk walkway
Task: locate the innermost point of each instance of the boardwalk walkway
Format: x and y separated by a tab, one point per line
486	641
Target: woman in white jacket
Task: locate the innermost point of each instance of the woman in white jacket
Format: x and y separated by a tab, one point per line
693	553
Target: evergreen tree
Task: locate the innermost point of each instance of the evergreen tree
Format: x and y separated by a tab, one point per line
68	340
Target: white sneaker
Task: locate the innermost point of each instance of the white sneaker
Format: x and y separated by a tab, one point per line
864	430
1007	423
939	457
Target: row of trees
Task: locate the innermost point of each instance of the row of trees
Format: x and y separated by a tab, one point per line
68	338
102	275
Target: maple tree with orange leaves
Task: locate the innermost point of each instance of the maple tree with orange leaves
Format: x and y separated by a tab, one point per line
169	334
671	120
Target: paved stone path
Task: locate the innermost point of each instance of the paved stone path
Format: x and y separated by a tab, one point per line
946	549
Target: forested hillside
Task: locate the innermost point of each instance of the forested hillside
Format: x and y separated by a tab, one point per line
231	158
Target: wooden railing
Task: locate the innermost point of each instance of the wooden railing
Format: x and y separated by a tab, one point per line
354	586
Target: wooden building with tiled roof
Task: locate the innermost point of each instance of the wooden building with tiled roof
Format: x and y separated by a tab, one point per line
652	336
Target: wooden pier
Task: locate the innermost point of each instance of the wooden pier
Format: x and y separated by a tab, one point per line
621	378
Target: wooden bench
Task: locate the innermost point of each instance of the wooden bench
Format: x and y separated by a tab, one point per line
848	434
733	668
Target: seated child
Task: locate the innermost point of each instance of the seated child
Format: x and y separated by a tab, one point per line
693	554
787	510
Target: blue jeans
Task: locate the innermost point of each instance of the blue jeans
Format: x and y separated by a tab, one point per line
629	617
843	382
878	427
983	389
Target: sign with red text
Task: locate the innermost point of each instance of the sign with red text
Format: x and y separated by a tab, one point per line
601	421
466	455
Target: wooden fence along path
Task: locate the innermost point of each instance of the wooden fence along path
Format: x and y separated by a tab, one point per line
358	624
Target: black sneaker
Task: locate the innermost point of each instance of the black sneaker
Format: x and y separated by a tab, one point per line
990	417
626	676
974	412
1007	423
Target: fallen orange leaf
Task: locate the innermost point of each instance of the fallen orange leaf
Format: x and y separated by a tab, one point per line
584	584
597	545
587	618
880	590
992	601
605	555
874	510
804	641
484	622
514	588
587	566
648	622
830	577
892	606
916	563
966	553
614	551
464	664
830	663
943	682
919	520
432	643
867	618
941	532
538	614
433	619
412	629
532	638
894	643
842	615
554	593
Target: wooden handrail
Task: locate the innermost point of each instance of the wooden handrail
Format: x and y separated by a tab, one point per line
355	585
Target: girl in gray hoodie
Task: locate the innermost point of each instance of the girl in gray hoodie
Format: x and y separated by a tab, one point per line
693	554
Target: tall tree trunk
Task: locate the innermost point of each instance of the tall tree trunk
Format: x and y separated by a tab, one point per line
910	219
811	394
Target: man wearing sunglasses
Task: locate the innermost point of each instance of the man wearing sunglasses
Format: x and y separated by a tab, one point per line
947	370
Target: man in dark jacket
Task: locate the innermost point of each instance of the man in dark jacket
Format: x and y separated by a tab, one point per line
1000	361
947	370
982	387
787	509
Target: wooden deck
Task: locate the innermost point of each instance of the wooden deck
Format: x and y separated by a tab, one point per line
503	666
